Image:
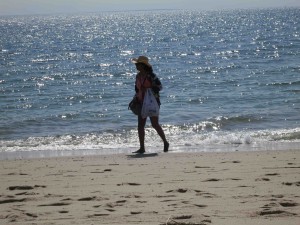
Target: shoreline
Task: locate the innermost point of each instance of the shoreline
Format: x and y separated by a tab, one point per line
260	187
212	148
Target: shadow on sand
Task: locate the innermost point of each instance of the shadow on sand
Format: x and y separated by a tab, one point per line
145	155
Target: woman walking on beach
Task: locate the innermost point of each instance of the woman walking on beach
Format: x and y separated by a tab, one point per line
146	79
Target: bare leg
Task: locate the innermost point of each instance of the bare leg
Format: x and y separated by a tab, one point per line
159	130
141	131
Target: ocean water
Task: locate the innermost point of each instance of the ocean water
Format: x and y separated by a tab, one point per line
231	81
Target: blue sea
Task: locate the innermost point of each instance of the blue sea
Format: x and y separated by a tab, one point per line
231	81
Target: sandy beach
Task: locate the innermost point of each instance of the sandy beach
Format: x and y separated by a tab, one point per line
174	188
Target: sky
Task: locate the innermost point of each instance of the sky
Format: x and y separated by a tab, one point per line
24	7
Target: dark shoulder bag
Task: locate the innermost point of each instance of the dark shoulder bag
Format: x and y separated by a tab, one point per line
135	106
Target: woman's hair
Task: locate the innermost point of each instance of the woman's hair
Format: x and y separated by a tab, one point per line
147	68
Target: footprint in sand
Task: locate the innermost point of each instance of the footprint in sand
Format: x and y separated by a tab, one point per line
211	180
200	206
262	179
291	183
87	199
25	187
115	204
183	217
63	211
135	212
110	210
98	215
276	213
12	200
272	174
288	204
130	184
31	215
231	162
55	204
204	194
106	170
273	209
180	190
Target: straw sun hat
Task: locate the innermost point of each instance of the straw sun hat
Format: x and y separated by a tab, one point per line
142	59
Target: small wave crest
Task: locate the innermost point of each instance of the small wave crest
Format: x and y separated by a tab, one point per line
222	122
284	83
182	138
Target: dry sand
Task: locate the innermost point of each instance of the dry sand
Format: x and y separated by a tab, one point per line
172	188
